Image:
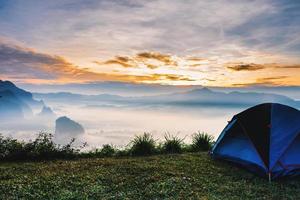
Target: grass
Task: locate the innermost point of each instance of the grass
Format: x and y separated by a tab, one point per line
172	144
170	176
201	141
143	145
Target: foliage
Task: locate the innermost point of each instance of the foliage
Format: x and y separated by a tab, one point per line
172	144
143	145
107	150
201	142
42	148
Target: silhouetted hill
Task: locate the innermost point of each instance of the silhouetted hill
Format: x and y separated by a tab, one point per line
206	96
66	126
21	94
11	106
46	113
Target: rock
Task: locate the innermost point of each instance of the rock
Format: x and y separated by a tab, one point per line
66	126
47	113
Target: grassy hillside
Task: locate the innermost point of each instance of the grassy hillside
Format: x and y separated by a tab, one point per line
185	176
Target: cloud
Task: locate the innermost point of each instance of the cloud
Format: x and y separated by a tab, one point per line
151	60
265	81
170	77
168	26
244	66
22	63
296	66
155	60
25	64
195	59
121	60
164	58
262	80
255	67
151	66
31	64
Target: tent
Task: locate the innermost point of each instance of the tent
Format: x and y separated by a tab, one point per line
264	139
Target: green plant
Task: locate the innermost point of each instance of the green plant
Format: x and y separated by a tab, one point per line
172	144
42	148
201	141
107	150
143	145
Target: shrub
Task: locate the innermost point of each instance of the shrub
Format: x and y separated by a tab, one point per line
11	148
107	150
201	141
122	152
172	144
42	148
143	145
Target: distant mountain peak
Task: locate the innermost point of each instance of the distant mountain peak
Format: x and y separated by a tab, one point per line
21	94
47	112
67	126
7	83
201	90
205	89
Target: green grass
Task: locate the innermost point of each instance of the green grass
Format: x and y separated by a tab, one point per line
178	176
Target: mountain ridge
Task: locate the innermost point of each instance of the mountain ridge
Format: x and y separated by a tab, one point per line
201	96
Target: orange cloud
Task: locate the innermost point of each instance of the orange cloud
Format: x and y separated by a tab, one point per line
244	66
171	77
263	81
119	60
164	58
296	66
195	59
255	67
140	59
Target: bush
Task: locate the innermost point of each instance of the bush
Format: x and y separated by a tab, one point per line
172	144
107	150
201	142
11	148
143	145
42	148
122	152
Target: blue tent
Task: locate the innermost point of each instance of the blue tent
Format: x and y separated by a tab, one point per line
264	139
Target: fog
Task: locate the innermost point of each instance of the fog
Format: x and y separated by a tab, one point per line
117	125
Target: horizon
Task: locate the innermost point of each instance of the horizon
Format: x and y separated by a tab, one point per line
215	44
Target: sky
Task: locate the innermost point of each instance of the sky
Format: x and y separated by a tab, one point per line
228	43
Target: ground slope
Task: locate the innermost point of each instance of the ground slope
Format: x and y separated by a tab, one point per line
187	176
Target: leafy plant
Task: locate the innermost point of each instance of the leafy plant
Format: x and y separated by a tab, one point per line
201	141
107	150
143	145
42	148
172	144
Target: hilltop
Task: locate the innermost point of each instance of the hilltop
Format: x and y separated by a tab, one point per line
184	176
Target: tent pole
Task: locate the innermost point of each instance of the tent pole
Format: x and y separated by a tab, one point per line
269	177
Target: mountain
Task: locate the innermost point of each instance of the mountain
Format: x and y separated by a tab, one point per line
197	97
46	113
66	126
205	96
77	98
16	103
11	107
138	90
24	96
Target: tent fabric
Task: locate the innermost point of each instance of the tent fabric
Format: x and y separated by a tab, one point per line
264	139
